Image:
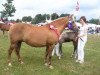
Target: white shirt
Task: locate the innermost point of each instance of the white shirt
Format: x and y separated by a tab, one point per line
83	31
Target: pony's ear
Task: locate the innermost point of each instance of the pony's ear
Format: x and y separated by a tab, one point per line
72	17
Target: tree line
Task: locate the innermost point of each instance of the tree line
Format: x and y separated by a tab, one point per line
41	18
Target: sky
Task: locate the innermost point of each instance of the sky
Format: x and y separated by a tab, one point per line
88	8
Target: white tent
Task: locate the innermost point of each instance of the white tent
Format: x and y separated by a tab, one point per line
89	25
93	26
97	25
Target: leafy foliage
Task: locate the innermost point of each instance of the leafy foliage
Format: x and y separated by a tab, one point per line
27	19
42	17
9	9
39	18
54	16
18	20
63	15
94	21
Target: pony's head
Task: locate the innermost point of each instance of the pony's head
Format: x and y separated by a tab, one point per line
72	24
71	18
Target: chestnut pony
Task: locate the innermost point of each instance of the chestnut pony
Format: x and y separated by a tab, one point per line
4	27
36	36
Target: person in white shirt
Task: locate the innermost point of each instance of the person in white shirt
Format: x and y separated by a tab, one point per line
82	39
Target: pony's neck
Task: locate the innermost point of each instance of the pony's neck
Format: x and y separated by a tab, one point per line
60	24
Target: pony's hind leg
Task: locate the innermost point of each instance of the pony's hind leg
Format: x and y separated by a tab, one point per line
17	50
74	54
9	54
60	49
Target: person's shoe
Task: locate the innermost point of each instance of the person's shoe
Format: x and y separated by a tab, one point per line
81	61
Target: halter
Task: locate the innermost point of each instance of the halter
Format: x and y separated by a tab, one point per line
71	19
70	25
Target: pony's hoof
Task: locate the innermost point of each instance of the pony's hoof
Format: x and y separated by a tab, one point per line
46	64
51	67
9	64
59	58
72	56
21	62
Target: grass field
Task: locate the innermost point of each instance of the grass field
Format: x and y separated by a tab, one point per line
34	60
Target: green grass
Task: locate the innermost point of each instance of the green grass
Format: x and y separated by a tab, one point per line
34	60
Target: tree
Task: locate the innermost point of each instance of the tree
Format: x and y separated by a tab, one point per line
54	16
44	16
94	21
29	18
24	19
38	18
9	9
18	20
63	15
33	21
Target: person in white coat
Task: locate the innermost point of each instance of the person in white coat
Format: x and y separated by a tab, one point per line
82	39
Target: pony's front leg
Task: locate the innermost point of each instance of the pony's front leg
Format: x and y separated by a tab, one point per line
9	54
60	49
48	56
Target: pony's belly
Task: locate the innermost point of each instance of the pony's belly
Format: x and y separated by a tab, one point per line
36	44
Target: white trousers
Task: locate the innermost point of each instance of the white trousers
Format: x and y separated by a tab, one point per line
56	50
80	48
